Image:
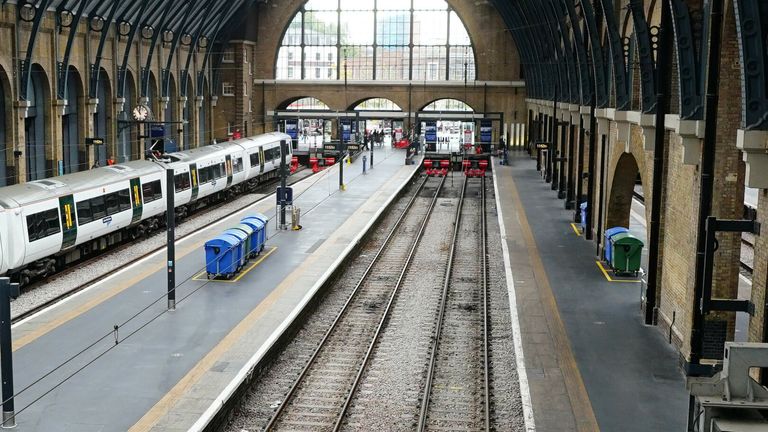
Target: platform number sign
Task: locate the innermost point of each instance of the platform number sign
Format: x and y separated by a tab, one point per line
68	223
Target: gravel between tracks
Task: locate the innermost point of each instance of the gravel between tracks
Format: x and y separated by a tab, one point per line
389	395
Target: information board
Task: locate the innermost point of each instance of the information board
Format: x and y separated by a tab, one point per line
486	131
346	130
430	132
292	128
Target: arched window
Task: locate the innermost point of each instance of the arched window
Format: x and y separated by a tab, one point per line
100	123
419	40
377	104
35	124
70	131
448	105
127	149
307	103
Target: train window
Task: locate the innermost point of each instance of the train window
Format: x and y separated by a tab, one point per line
112	203
98	207
151	191
237	165
84	214
254	159
124	199
181	182
272	154
43	224
222	170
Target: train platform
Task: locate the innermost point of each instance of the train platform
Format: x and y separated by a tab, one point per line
170	371
590	362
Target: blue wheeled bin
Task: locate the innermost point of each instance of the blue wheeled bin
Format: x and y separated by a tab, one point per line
610	232
583	216
259	233
250	244
221	256
263	233
242	252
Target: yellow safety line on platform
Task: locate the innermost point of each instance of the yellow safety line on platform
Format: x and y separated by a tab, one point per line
119	286
202	275
576	229
574	383
608	276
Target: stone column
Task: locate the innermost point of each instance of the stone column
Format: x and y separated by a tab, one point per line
19	159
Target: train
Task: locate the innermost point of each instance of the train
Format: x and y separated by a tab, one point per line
48	224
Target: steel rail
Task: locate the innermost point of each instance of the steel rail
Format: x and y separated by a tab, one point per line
486	360
310	363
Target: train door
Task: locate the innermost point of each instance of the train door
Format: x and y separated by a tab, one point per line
261	160
193	179
229	170
138	204
68	221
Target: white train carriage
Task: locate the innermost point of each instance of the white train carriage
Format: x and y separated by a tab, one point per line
46	224
263	152
55	221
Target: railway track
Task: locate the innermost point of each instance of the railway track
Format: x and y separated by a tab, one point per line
320	396
95	259
457	390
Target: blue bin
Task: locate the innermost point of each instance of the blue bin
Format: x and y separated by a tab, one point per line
610	232
242	252
583	208
251	246
258	238
263	233
221	256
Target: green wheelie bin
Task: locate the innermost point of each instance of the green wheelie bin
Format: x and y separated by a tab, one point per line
626	254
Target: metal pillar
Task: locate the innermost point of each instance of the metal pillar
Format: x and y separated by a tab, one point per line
662	106
283	177
694	368
569	198
170	222
591	175
7	291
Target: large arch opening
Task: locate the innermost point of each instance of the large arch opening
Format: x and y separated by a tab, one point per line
311	130
101	118
171	129
381	119
423	40
35	124
447	125
73	159
6	177
626	179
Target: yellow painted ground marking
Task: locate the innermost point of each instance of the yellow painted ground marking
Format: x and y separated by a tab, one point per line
202	275
574	383
608	276
576	229
120	285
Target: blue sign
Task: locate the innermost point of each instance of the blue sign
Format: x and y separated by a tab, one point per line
486	131
346	130
430	132
157	131
292	128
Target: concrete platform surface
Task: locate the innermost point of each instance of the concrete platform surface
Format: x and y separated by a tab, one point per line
591	363
163	370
